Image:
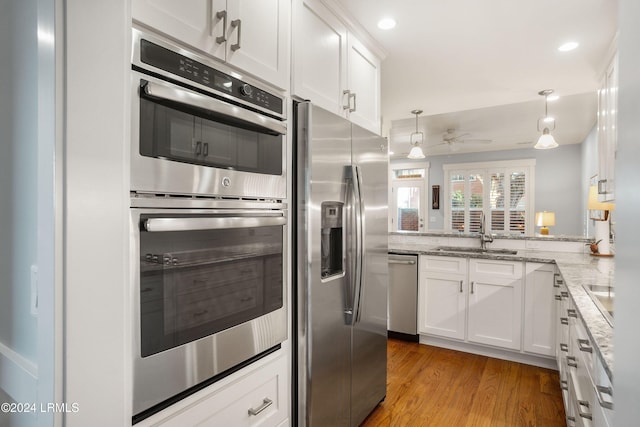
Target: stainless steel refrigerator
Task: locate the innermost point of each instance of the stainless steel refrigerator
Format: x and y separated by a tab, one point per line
340	189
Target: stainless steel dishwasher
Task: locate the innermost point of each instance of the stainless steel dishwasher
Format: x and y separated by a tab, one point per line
403	297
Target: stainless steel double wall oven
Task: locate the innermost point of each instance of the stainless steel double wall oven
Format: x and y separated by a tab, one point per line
209	222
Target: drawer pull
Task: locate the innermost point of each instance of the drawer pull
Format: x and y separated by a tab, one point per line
564	384
564	347
558	298
583	345
266	402
584	403
571	312
564	320
571	361
600	390
564	294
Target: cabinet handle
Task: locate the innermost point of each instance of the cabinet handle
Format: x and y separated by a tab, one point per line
571	361
583	345
198	148
237	23
564	347
571	312
564	294
472	286
460	286
572	420
556	284
558	298
205	149
564	320
355	106
348	93
600	390
266	402
564	384
221	14
584	403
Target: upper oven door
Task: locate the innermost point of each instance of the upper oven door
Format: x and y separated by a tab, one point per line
186	142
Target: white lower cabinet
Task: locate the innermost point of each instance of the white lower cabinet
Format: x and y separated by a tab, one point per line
475	300
587	390
258	398
495	303
442	294
540	309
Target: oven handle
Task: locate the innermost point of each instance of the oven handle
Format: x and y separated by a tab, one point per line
208	223
193	99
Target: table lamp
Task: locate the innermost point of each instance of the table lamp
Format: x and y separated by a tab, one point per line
544	219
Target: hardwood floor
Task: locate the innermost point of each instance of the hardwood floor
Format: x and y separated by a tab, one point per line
433	387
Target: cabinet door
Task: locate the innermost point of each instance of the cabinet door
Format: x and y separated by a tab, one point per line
258	38
320	56
193	22
607	132
539	309
441	306
364	86
495	303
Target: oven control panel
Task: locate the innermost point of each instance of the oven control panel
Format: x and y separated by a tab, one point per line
185	67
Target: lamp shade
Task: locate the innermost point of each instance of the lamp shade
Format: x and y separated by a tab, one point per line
546	141
593	204
544	219
416	153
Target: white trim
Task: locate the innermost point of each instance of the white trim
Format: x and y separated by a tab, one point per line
485	165
18	375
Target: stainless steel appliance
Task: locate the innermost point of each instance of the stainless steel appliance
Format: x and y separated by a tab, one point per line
209	222
341	289
200	128
208	295
403	297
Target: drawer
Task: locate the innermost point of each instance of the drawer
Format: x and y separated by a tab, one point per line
495	270
257	399
443	264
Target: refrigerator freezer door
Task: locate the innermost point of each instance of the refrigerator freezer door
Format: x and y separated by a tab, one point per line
324	335
369	341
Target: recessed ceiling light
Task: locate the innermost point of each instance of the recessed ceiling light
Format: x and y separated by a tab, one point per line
386	23
568	46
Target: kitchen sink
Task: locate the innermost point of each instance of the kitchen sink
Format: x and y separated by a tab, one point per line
476	250
602	297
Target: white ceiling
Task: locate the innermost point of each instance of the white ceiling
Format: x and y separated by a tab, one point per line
463	55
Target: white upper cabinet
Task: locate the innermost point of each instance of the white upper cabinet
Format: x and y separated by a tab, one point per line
363	85
252	35
332	68
607	131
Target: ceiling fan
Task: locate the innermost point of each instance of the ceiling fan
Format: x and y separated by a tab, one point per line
451	137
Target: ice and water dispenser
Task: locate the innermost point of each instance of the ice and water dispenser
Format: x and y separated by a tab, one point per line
332	243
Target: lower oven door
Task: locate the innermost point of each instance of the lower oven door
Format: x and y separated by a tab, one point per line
208	297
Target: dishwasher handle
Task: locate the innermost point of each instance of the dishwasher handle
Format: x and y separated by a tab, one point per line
402	261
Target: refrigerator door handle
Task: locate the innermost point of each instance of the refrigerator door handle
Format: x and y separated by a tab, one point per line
359	261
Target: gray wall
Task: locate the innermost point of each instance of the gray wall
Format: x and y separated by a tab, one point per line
557	187
28	143
18	174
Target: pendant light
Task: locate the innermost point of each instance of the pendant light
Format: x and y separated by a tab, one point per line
416	140
546	140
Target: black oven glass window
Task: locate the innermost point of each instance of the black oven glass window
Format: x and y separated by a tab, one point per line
188	135
197	283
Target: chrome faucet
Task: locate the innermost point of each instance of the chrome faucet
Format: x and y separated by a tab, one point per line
484	238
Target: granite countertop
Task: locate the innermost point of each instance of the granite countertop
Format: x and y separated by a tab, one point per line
577	269
507	236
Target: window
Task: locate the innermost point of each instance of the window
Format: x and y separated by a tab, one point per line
407	197
502	191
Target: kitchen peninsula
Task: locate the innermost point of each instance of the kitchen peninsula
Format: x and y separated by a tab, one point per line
574	270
